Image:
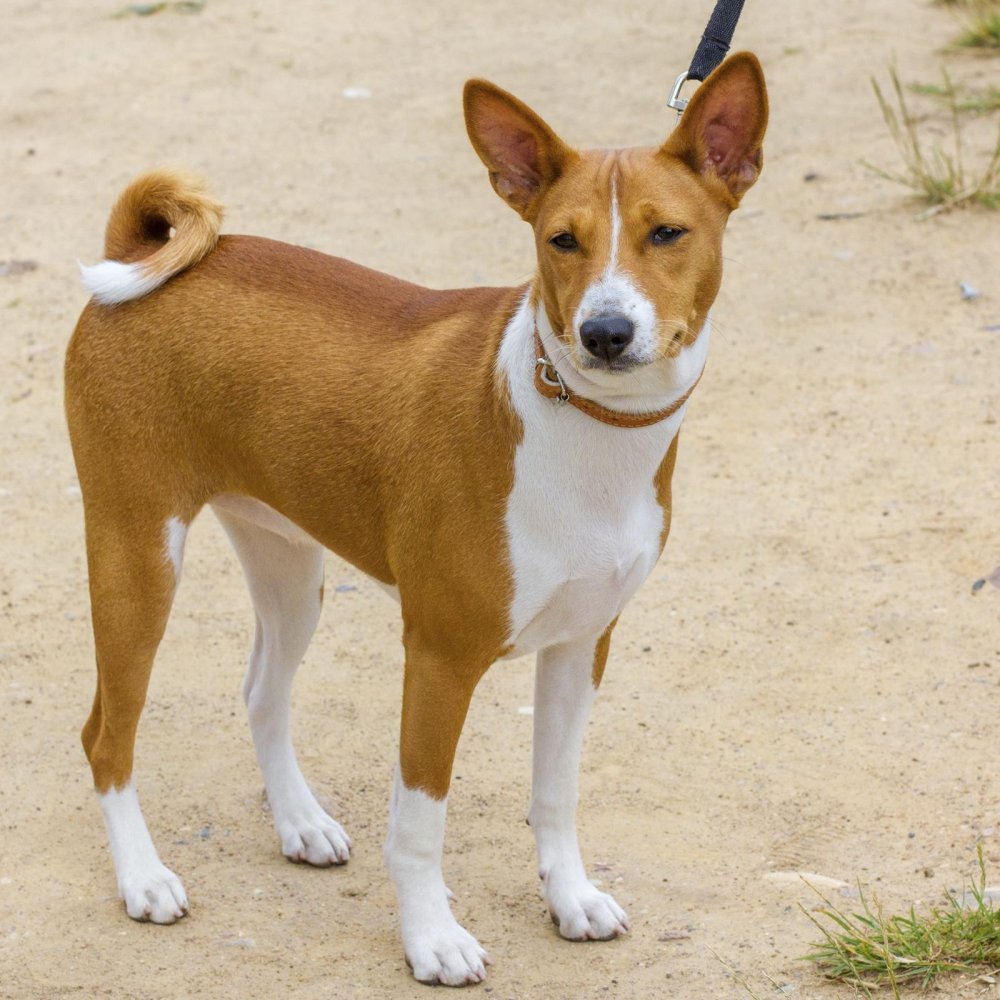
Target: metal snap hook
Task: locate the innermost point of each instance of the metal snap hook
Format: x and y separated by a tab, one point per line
545	367
675	100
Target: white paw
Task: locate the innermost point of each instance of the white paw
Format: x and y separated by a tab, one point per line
313	837
584	913
447	954
158	895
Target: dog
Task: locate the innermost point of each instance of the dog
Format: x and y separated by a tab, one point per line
498	458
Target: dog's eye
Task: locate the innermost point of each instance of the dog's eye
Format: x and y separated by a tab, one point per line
564	241
665	235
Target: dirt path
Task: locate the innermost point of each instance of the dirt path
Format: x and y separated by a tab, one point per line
807	683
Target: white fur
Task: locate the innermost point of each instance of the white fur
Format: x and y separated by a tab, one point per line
583	522
564	691
111	281
151	891
616	293
437	947
284	571
583	525
262	516
616	227
176	532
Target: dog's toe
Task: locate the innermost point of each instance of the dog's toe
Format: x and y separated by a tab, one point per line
587	914
447	955
157	896
316	840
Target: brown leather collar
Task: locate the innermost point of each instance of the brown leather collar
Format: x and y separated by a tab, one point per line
550	384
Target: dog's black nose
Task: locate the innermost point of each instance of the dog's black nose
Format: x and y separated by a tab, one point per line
607	336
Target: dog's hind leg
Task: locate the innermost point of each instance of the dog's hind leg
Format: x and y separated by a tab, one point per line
134	561
284	572
566	680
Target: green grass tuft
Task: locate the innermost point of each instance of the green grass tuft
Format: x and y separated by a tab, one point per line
982	30
980	102
869	950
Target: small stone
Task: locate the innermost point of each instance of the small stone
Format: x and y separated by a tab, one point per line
968	291
809	878
674	935
238	942
9	268
990	896
356	93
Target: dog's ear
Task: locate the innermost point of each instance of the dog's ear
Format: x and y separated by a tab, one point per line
721	133
523	155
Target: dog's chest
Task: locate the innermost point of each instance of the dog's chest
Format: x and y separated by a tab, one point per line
584	528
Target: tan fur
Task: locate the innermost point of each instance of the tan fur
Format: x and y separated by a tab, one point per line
365	409
146	211
601	651
240	376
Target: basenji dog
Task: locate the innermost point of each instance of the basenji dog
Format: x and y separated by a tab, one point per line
498	458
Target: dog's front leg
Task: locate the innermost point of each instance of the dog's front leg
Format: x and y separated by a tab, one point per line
566	679
436	695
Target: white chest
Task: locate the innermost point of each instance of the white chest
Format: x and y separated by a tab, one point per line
578	550
583	520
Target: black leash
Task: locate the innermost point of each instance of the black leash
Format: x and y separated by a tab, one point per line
711	49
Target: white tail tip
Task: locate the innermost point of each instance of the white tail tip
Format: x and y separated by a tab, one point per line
111	281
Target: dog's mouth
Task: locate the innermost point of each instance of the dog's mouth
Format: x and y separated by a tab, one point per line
621	365
671	344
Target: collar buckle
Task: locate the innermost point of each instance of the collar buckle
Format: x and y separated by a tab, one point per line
544	367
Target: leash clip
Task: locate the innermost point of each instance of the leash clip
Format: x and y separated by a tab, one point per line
675	100
545	366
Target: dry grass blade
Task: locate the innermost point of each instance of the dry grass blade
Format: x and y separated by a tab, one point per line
938	177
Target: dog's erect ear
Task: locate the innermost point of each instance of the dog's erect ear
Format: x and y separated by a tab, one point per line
523	155
721	133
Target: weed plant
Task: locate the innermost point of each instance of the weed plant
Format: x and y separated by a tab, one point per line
869	950
938	177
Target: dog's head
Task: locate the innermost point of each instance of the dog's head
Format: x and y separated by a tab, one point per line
629	241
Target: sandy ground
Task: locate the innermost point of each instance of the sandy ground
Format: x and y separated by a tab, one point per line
806	683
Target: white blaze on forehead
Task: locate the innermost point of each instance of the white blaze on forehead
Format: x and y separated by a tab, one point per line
616	293
616	228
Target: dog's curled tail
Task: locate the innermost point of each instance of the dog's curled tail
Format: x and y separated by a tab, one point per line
141	254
